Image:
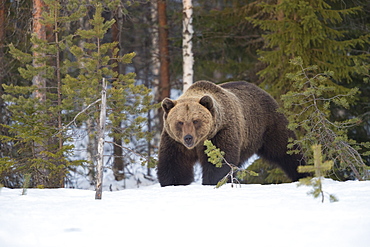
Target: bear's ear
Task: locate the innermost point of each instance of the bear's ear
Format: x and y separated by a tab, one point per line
207	102
168	104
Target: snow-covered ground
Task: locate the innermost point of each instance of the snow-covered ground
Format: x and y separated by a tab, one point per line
194	215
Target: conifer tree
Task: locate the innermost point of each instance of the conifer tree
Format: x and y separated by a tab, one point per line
311	30
217	157
73	76
127	102
36	118
307	106
15	19
319	169
316	32
224	42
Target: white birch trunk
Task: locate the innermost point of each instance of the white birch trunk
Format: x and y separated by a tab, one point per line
155	45
155	68
101	132
187	45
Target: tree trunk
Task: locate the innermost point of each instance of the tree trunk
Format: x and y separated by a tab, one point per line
59	87
155	66
187	44
154	116
3	115
2	41
91	149
164	69
101	133
118	162
2	57
40	31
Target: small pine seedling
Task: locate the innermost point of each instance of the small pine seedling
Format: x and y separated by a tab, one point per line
217	157
26	183
319	168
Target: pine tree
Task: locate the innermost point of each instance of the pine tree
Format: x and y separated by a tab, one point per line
127	102
41	130
310	30
316	31
224	42
217	157
319	168
36	109
307	106
9	74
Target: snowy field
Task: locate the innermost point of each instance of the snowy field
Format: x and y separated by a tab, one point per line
195	215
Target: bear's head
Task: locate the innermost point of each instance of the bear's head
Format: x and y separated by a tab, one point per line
189	121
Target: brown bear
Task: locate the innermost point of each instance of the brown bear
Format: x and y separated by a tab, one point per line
238	117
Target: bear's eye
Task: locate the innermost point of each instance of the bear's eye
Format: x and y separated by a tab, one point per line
195	121
180	123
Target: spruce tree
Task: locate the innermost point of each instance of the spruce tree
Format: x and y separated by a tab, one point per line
224	42
217	158
317	32
40	152
310	29
76	61
319	168
15	20
307	106
127	101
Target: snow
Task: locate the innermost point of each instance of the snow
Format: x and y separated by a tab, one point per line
194	215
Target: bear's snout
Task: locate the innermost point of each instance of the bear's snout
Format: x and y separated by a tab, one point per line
188	140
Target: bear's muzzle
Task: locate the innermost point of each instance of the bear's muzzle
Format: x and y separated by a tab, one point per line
188	141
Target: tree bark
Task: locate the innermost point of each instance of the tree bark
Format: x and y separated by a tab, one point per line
2	57
101	133
59	85
187	44
118	162
164	68
155	122
40	31
155	65
3	147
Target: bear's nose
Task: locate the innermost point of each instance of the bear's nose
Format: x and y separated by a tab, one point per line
188	140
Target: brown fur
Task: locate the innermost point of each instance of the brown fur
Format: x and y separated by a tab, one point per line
238	117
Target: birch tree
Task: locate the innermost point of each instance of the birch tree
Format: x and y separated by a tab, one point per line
187	45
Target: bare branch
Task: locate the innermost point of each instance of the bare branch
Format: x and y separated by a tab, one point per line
78	114
128	149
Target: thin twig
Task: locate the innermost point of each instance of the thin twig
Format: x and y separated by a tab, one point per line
78	114
128	149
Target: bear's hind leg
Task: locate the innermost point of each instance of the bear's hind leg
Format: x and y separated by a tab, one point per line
288	163
274	150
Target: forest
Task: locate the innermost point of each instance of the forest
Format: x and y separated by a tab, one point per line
58	57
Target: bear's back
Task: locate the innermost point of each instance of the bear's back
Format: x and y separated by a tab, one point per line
251	94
